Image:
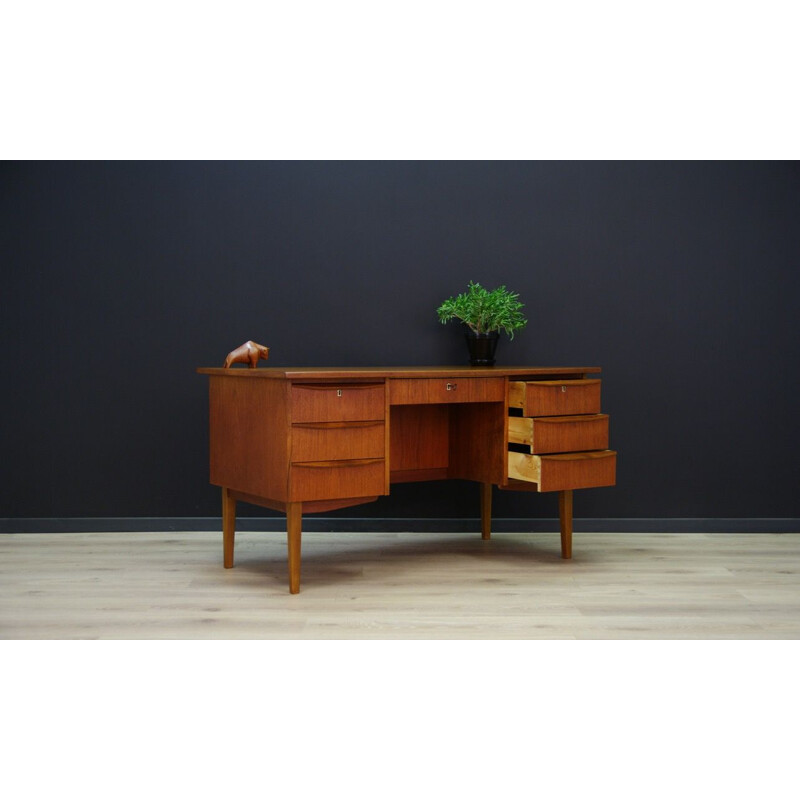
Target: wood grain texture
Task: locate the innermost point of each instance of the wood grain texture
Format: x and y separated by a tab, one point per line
522	467
170	585
333	402
565	521
312	374
294	523
477	436
324	441
330	480
309	507
560	434
564	470
413	391
416	475
549	398
248	424
228	527
341	442
419	438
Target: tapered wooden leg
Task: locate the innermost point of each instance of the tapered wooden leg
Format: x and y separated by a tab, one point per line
228	527
565	517
486	510
294	523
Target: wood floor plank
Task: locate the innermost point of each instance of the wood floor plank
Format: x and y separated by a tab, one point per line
400	586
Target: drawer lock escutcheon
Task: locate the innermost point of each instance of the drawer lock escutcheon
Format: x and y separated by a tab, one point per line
451	387
338	392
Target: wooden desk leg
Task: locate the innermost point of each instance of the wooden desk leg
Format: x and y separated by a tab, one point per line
486	510
565	517
294	523
228	527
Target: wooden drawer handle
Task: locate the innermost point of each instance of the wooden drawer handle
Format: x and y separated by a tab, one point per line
355	462
326	426
327	387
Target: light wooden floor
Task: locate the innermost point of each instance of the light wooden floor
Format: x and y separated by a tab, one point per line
400	586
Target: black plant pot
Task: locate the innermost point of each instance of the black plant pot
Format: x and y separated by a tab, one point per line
481	348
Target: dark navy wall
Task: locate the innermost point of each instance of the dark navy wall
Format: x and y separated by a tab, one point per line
679	279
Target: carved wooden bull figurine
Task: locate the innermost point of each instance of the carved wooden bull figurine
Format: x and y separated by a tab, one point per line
247	353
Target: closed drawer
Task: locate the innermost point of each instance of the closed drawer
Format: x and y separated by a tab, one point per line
329	402
326	441
548	398
332	480
437	390
559	434
554	473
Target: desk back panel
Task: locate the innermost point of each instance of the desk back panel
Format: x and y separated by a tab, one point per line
478	442
419	442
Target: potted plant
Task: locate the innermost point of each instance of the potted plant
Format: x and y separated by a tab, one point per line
486	314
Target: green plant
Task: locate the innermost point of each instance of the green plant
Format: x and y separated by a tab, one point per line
485	311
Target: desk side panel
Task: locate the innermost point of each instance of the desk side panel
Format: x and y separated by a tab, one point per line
249	436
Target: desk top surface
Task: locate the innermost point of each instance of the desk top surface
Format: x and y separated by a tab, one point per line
367	373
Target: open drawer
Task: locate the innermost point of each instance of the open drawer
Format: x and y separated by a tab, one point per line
550	398
553	473
559	434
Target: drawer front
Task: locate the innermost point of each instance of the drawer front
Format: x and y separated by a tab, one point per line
333	480
549	398
344	402
327	441
564	471
437	390
559	434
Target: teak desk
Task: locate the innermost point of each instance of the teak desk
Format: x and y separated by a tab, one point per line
305	440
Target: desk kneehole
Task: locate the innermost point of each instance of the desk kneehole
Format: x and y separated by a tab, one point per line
560	471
